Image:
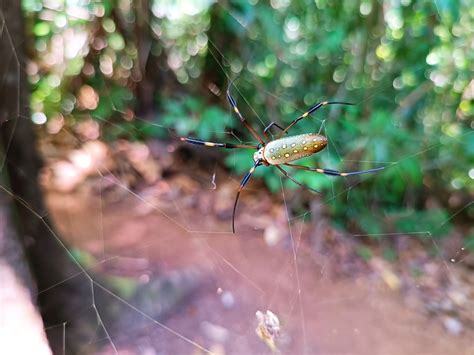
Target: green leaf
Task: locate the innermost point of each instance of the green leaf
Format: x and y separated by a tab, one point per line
434	222
116	42
369	224
42	29
390	254
365	253
240	161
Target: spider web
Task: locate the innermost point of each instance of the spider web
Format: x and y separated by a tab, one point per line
242	274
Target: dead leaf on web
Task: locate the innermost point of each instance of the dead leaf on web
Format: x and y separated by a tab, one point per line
388	275
268	328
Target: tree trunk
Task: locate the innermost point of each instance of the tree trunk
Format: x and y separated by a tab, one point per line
154	78
21	326
34	237
35	265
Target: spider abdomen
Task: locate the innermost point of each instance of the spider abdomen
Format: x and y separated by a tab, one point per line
287	149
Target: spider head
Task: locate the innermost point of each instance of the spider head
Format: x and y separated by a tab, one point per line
258	155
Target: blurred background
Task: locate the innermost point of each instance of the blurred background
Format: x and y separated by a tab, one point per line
377	263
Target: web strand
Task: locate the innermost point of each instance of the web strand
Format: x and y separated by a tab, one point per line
202	237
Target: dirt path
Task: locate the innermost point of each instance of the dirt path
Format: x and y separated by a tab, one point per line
328	316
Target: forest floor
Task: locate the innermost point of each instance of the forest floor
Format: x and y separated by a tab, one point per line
327	298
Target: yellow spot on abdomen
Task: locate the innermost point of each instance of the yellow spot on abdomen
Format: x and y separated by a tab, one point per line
287	155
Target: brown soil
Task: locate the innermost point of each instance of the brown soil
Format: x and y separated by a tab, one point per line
331	315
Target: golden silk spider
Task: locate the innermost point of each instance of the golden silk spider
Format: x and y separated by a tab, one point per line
280	151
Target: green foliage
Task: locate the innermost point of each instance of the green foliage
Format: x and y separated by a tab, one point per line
370	225
408	66
389	254
193	115
117	100
364	252
84	258
125	286
434	222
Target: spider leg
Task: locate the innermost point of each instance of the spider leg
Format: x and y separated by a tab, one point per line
270	126
244	182
242	119
310	111
217	145
285	173
334	172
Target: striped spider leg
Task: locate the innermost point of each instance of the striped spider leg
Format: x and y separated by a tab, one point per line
257	161
310	111
246	177
217	145
331	172
244	182
279	151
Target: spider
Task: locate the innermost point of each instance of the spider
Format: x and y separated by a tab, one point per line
280	151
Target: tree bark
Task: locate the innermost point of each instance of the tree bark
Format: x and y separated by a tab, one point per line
154	78
32	235
35	264
20	318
